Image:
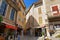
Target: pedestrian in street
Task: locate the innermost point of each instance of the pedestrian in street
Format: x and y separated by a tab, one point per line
11	38
18	36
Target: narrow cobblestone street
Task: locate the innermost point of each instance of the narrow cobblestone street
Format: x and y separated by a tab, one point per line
55	38
36	38
30	38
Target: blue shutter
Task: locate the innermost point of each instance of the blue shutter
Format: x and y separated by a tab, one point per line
12	14
3	8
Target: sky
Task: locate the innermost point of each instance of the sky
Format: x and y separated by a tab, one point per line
28	3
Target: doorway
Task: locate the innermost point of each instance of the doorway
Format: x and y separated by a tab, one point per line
38	32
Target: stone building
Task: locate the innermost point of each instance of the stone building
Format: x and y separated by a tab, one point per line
12	12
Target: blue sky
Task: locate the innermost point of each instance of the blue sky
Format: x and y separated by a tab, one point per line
29	2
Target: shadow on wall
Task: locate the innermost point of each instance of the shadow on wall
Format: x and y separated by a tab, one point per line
31	22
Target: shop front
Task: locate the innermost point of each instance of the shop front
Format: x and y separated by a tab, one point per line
54	24
10	30
2	28
7	29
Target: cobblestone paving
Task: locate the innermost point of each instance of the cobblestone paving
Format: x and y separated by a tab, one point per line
55	38
30	38
36	38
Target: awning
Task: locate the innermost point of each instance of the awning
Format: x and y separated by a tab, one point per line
11	27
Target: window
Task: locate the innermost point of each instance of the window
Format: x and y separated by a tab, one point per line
40	20
3	8
55	10
39	10
12	14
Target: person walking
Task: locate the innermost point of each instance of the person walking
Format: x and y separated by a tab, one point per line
11	38
18	36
